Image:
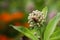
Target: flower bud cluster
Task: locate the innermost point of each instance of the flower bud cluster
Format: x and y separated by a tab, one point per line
36	18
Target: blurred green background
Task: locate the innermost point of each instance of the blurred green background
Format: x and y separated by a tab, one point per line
27	6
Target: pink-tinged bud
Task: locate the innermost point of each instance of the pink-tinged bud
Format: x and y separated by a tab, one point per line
52	14
30	7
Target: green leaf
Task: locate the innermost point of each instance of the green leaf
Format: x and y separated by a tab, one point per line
56	34
45	10
51	27
56	37
26	32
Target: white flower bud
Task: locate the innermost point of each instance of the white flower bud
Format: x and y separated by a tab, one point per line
31	25
38	36
35	33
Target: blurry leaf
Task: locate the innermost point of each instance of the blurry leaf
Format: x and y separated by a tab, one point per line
51	27
45	10
56	34
26	32
56	37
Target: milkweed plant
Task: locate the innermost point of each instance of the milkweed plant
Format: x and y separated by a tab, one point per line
38	29
29	20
